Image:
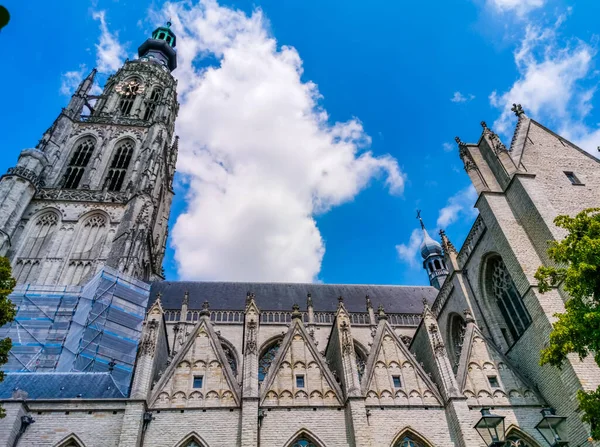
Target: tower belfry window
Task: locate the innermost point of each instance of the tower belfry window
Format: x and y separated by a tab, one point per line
78	163
118	166
152	103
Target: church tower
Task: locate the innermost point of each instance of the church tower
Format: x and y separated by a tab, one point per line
433	258
97	189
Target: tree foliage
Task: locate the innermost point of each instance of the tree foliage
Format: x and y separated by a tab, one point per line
577	330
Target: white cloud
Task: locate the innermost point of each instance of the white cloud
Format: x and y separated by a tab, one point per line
550	84
448	147
110	54
520	7
260	156
459	206
409	253
71	80
459	97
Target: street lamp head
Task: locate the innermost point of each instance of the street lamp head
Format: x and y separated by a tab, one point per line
553	428
491	428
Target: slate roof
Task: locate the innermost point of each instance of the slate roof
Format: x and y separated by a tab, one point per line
282	296
53	385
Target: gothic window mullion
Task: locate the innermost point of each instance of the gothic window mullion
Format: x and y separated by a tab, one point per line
118	167
77	164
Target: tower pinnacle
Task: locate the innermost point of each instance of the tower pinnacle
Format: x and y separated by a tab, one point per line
433	257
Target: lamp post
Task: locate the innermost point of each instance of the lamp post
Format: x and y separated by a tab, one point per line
553	428
491	428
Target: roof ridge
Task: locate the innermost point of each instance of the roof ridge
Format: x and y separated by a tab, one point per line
296	284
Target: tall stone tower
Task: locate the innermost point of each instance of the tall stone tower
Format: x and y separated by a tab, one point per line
97	188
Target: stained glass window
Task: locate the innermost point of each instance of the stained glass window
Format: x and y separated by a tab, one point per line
508	299
304	442
192	443
265	361
407	441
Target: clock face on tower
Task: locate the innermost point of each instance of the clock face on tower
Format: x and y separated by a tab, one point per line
130	88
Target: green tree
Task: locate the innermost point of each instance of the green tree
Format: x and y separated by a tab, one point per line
577	330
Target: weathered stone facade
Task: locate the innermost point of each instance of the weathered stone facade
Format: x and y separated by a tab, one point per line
230	364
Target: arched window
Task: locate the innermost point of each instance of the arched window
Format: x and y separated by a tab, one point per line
457	329
430	267
407	438
437	264
502	288
361	362
230	358
118	167
266	359
303	442
36	246
71	441
88	249
152	103
79	161
408	441
516	438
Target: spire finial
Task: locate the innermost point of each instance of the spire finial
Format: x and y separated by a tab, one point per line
517	109
296	311
205	311
169	23
381	313
420	220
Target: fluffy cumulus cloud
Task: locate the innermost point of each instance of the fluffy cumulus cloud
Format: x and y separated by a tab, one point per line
259	155
110	54
551	86
459	97
520	7
408	252
459	206
71	80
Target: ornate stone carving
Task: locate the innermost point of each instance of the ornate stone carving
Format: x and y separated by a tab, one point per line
26	174
82	195
148	344
251	338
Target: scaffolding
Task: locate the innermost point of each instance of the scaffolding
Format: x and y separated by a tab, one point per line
93	328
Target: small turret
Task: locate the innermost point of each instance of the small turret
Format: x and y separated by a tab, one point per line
433	257
160	48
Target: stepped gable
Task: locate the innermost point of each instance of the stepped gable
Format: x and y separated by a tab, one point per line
282	296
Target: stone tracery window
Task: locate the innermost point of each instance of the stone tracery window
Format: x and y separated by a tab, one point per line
230	358
510	304
265	361
152	103
457	337
361	362
79	161
303	442
408	441
118	167
36	247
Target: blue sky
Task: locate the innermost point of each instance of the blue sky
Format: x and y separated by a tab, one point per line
312	130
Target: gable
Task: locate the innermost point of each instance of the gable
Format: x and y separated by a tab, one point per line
393	376
298	357
199	375
487	378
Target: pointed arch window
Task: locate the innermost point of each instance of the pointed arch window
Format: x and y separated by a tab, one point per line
78	162
303	442
152	103
266	359
126	104
408	441
457	337
118	167
506	296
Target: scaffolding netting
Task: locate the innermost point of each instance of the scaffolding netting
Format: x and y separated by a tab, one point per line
92	328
